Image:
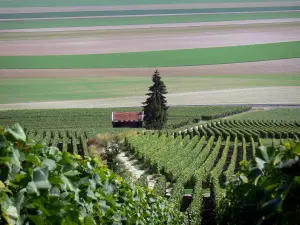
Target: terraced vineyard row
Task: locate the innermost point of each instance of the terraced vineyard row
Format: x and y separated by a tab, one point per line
247	129
65	140
200	160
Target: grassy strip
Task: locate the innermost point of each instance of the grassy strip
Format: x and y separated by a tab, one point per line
142	12
290	114
57	3
190	57
13	90
31	24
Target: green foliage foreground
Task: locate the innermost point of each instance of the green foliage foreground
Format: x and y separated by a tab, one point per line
266	191
41	185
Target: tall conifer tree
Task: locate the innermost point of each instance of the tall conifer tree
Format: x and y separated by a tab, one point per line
155	107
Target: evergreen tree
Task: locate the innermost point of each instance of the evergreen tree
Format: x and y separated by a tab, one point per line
155	108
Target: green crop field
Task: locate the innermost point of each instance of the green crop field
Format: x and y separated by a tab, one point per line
272	114
80	22
143	12
57	3
14	90
189	57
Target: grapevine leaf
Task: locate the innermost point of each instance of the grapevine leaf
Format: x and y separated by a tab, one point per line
40	174
271	206
72	173
5	201
32	189
3	141
108	188
54	151
296	150
278	158
260	163
67	183
54	192
19	200
12	213
17	132
2	186
50	163
43	185
34	159
102	204
37	220
88	220
15	160
96	179
244	178
264	153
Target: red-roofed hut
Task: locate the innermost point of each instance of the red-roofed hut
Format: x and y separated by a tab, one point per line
127	119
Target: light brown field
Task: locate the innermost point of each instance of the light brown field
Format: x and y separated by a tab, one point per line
284	66
150	42
157	26
147	7
145	38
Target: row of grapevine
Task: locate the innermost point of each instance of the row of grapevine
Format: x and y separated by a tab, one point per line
246	130
185	160
66	140
204	157
201	176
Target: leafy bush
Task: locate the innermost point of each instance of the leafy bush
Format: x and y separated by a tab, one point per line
41	185
266	191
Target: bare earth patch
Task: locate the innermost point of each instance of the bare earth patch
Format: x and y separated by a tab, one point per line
149	42
147	7
155	26
144	15
284	66
266	95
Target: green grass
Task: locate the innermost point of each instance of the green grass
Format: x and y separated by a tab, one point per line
288	114
190	57
142	12
14	90
55	23
57	3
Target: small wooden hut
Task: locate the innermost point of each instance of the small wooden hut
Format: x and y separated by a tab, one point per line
127	119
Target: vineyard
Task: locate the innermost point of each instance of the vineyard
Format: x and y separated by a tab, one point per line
191	166
247	129
66	141
286	114
99	120
200	160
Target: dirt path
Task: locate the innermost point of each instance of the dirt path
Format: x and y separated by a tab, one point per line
133	166
148	42
155	26
284	66
148	7
266	95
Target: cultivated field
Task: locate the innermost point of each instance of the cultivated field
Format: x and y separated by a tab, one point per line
66	65
196	43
